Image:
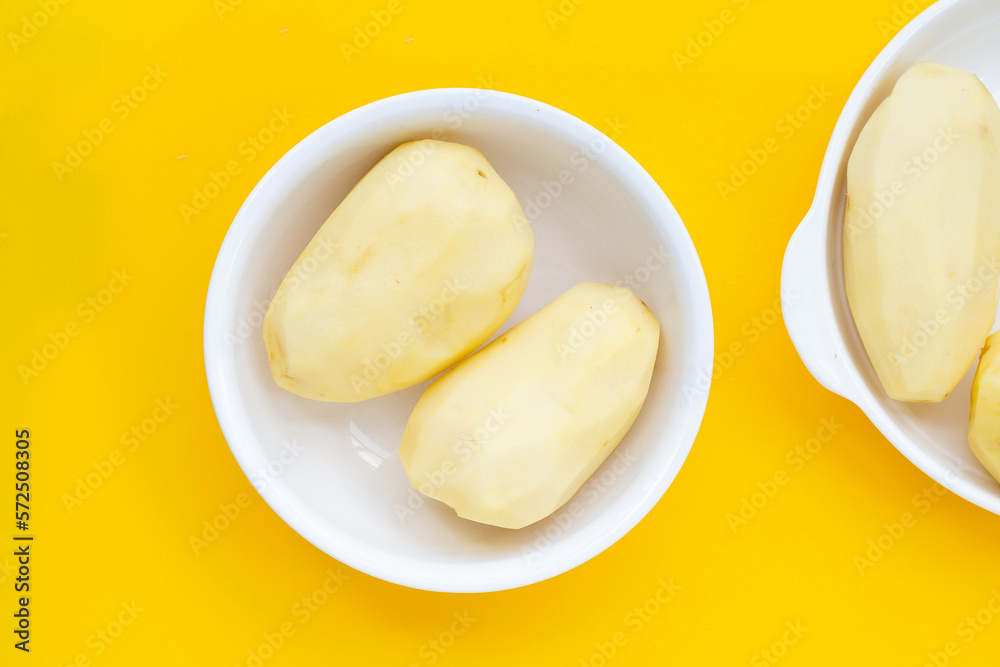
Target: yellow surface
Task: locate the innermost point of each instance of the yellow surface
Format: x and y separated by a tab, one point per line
219	77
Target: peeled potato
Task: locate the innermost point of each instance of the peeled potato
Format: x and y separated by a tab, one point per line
426	257
511	433
922	230
984	419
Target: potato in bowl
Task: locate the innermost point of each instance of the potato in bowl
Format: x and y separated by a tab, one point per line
345	490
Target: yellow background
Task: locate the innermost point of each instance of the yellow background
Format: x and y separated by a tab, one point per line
223	73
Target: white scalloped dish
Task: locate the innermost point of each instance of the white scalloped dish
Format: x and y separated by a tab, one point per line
960	33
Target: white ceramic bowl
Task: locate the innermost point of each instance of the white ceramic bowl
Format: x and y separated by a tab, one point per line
331	470
961	33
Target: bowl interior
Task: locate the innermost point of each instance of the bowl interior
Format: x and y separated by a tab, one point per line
332	470
966	35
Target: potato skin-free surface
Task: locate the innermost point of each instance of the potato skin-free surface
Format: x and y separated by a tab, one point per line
511	433
922	230
984	417
425	258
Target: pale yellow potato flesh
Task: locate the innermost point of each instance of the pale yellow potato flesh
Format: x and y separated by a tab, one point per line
425	258
922	230
984	417
511	433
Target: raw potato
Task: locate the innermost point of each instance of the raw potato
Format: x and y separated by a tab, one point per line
922	230
984	420
511	433
425	258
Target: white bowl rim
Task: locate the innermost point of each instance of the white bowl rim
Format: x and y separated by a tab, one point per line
642	186
813	327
